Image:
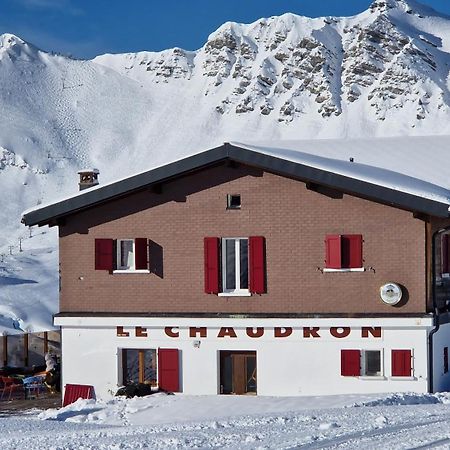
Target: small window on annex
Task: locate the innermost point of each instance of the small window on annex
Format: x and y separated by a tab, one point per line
372	363
139	366
445	359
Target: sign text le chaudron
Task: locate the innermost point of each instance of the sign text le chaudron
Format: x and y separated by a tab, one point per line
257	332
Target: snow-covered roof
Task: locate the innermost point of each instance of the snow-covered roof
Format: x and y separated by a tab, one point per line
416	165
408	172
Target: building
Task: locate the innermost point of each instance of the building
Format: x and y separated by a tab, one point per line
260	269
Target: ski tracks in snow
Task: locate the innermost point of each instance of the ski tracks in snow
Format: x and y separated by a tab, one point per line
159	425
404	436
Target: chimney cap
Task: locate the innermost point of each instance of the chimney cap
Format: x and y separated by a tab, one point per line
88	178
96	171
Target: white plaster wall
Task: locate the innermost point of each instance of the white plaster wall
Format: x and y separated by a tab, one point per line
441	339
292	365
89	357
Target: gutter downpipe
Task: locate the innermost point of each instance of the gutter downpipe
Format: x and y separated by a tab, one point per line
435	307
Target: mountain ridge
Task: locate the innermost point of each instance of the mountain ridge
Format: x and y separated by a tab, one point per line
315	45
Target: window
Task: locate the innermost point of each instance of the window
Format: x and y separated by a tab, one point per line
343	252
401	363
366	363
139	366
371	363
122	255
235	266
125	254
445	255
233	201
445	359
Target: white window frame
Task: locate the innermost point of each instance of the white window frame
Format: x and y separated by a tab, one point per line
238	291
122	269
380	374
119	255
354	269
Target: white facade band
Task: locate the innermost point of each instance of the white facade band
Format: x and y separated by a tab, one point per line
283	357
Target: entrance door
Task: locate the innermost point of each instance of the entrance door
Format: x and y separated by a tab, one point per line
238	372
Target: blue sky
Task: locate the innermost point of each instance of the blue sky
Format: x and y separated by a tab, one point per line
85	28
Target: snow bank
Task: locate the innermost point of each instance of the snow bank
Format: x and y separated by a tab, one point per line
218	410
411	398
162	408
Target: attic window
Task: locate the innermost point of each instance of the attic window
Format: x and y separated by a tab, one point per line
233	201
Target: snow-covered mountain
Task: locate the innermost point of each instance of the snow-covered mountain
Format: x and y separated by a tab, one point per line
383	72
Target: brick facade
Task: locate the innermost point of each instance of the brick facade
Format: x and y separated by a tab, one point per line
294	222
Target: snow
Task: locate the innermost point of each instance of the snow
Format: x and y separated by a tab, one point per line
394	421
384	72
398	163
20	275
315	91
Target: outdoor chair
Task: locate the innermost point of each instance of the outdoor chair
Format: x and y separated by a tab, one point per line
10	386
34	387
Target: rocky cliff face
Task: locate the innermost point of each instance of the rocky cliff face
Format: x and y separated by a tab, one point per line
392	56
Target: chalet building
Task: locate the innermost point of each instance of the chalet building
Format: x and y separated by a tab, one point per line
264	270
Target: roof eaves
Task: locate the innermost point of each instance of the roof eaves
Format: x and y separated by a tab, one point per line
348	185
89	198
274	164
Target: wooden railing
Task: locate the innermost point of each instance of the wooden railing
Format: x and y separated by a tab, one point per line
28	349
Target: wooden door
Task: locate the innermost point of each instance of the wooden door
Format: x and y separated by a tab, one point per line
239	374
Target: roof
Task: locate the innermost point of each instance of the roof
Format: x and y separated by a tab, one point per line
401	172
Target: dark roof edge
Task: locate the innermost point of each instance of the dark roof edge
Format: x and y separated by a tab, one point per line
123	187
403	200
348	185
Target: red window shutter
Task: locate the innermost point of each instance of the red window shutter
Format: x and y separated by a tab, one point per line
168	370
350	363
401	363
333	251
351	250
445	359
104	254
140	258
212	271
257	264
445	253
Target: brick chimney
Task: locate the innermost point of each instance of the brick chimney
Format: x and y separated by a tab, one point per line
88	178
